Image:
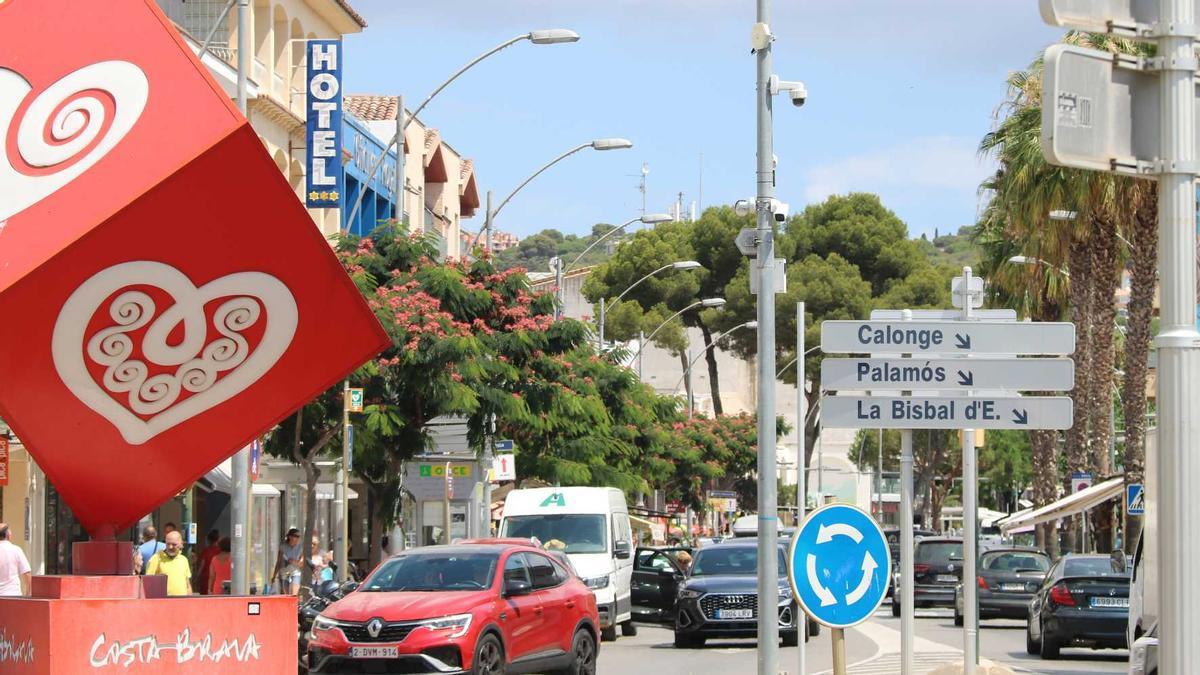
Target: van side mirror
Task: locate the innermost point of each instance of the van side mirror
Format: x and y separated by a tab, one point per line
622	550
515	587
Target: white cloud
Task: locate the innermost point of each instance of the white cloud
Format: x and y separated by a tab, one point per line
937	163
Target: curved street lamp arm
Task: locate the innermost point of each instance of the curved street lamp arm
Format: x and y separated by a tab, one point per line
635	284
592	245
663	324
794	359
712	343
409	118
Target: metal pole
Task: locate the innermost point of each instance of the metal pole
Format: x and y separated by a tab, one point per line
239	507
489	454
1178	348
907	623
400	181
558	283
838	640
768	517
801	501
641	350
879	480
969	555
446	504
341	491
487	223
600	330
908	578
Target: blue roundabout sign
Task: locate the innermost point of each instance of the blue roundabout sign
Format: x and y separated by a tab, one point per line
839	565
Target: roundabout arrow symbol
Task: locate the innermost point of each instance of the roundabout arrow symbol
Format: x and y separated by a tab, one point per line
823	593
868	569
826	533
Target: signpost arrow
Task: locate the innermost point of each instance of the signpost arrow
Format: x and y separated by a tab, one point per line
923	412
826	533
868	570
823	593
962	341
966	379
947	337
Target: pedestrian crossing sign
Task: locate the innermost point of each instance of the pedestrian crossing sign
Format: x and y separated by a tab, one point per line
1135	499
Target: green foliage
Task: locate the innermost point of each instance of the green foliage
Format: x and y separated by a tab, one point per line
956	250
535	251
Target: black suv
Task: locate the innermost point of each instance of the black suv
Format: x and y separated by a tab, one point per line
937	565
719	596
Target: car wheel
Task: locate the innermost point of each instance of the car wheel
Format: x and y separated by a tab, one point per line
683	641
489	657
958	618
583	655
608	634
629	629
791	638
1031	645
1049	648
814	628
895	608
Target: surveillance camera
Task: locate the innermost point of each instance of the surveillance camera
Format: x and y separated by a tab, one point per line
743	207
779	210
799	95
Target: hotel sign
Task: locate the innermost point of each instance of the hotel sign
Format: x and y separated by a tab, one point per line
323	188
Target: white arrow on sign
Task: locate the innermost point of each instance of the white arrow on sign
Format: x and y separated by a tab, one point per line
948	337
823	593
868	570
826	533
923	412
1037	374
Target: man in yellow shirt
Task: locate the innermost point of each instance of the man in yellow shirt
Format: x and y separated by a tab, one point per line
171	563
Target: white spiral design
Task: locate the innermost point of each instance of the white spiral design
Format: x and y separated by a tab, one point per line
65	129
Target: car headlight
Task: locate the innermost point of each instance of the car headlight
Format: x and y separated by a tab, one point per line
457	625
323	623
785	594
596	583
689	594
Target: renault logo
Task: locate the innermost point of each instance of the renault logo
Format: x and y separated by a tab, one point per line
374	627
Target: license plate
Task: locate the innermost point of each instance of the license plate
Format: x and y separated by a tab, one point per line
1110	602
947	579
374	652
1012	587
735	614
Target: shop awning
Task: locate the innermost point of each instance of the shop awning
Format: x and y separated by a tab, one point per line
221	478
657	532
326	491
1084	500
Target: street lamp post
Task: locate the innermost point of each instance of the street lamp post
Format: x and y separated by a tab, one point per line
687	373
679	265
707	303
600	144
538	37
650	219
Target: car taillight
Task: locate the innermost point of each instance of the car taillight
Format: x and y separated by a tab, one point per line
920	569
1059	595
982	583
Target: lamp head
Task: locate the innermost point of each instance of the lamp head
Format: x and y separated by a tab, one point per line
712	302
652	218
1020	260
685	265
612	144
752	325
553	36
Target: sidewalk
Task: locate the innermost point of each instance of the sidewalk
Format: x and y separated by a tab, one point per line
929	657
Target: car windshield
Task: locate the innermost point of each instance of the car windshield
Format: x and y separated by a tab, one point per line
570	533
1014	561
434	571
729	560
1091	567
938	551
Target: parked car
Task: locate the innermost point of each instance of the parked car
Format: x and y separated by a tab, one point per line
718	598
937	564
1007	579
893	538
325	594
657	573
1083	602
468	608
591	525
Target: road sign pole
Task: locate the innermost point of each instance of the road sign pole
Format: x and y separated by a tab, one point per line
801	497
768	515
907	624
838	641
1178	346
340	505
968	580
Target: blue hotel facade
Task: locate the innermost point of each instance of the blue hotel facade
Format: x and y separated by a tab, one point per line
360	152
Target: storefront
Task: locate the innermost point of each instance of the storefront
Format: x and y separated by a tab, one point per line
361	150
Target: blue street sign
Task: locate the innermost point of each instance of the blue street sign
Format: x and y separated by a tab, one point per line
504	446
839	565
1135	499
349	447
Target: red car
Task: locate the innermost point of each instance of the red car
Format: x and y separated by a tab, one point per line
484	607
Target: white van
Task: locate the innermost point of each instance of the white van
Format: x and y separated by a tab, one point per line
591	525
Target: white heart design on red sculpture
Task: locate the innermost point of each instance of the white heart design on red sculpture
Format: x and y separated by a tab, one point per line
210	371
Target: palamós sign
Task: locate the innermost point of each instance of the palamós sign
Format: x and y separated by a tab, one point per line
173	296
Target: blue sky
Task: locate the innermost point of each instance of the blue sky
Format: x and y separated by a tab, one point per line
900	93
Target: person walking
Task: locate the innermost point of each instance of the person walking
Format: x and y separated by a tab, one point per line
14	566
204	563
220	568
149	547
171	562
289	563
